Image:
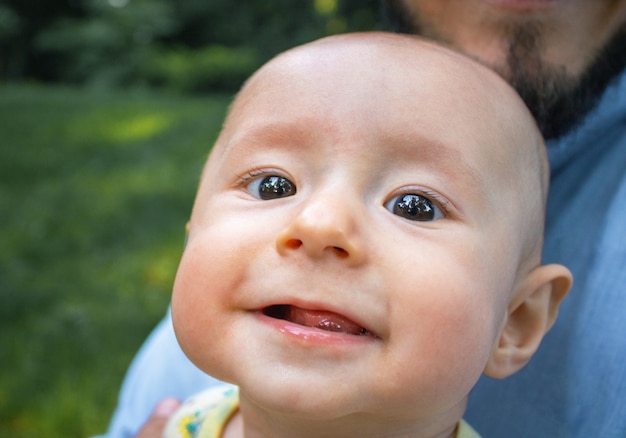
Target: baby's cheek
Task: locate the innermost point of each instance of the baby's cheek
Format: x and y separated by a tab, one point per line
439	357
190	326
475	342
468	333
190	301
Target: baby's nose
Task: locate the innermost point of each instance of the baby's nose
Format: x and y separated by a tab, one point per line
324	227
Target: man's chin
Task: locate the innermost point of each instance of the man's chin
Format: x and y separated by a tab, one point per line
558	100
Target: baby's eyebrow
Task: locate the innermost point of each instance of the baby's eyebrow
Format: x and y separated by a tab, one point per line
275	133
428	151
453	159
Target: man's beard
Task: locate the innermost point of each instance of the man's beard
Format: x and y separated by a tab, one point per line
557	99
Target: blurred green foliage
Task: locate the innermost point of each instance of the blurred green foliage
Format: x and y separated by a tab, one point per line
95	191
96	184
109	44
189	46
200	70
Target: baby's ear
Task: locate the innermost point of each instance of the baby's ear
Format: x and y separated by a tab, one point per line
531	313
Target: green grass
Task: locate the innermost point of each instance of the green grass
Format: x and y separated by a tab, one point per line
95	191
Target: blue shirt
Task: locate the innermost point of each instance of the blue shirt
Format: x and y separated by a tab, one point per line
575	386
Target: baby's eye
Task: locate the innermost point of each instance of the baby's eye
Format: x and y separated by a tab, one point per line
414	207
271	187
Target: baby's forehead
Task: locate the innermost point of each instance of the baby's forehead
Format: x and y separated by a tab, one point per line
389	65
367	72
382	54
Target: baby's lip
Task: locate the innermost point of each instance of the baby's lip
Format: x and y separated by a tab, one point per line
320	319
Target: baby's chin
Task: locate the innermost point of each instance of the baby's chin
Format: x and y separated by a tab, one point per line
310	402
321	410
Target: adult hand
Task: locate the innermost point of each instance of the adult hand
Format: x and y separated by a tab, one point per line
155	425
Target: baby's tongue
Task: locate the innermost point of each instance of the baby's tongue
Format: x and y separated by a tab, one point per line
324	320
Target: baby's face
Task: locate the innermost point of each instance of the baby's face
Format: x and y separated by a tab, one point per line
355	239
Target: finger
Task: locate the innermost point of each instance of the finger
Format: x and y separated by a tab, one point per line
155	425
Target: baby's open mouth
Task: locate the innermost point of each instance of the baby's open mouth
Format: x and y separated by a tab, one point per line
320	319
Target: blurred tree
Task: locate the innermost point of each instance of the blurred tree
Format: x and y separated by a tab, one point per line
20	22
10	25
118	42
231	23
109	44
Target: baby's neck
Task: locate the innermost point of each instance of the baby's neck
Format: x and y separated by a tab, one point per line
240	427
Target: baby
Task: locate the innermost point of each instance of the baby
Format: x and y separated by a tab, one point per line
365	243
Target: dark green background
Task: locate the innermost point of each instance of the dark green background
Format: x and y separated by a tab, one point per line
108	109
